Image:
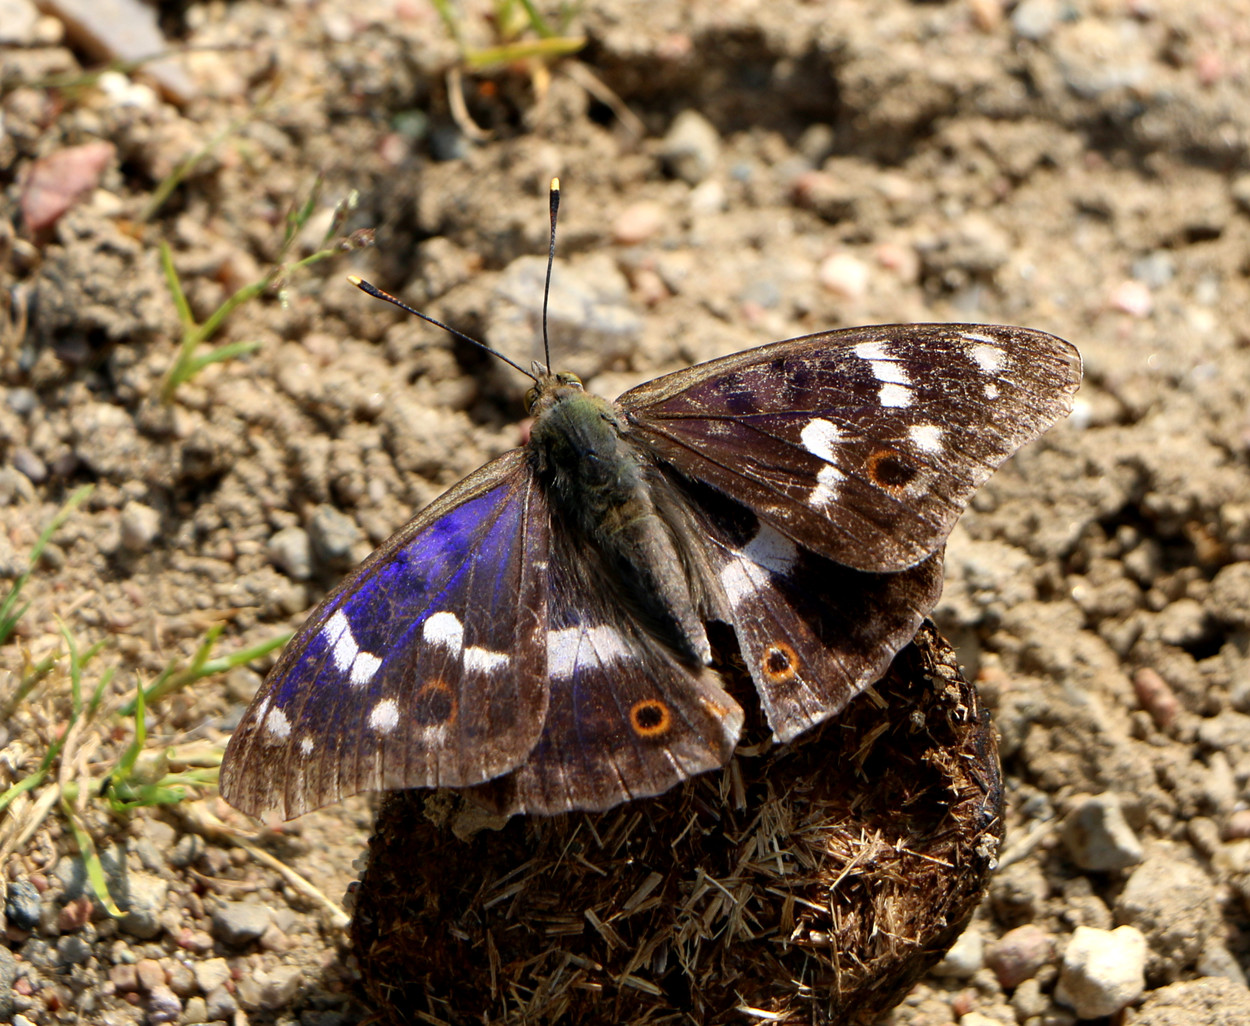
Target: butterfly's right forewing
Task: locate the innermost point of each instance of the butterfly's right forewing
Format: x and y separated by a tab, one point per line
865	444
425	668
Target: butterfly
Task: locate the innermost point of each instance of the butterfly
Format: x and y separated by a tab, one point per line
544	623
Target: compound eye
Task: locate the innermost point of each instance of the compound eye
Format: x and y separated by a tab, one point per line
569	378
531	397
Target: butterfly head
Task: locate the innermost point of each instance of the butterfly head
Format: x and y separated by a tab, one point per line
549	389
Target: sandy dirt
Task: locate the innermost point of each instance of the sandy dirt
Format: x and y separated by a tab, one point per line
1082	168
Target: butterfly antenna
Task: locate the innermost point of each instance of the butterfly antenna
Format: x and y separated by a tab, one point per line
551	259
377	293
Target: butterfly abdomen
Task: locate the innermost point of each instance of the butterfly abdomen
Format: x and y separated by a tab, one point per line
596	485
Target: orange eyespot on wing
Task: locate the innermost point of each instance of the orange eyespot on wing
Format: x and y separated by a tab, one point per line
889	470
650	718
780	663
435	704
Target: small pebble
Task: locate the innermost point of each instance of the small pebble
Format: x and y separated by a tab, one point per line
1173	903
1035	19
222	1004
72	950
196	1010
1133	298
272	990
163	1005
965	956
22	906
210	973
1237	826
333	535
22	401
150	972
1156	696
146	898
140	527
75	915
1019	954
18	20
691	147
638	222
1155	269
1103	971
124	978
1098	837
708	197
241	922
844	275
58	181
124	30
30	464
290	550
1029	1000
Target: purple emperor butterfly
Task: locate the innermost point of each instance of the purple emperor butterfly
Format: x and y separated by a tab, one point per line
543	624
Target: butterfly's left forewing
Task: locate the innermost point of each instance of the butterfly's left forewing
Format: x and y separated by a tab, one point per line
863	445
424	668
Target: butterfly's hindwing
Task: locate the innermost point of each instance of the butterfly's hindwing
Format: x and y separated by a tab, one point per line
424	668
812	633
626	718
864	445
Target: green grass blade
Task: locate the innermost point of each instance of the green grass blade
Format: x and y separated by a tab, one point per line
9	619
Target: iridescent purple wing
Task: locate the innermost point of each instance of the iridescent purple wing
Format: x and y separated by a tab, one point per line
863	445
424	668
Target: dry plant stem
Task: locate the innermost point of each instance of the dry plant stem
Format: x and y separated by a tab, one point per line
459	109
200	819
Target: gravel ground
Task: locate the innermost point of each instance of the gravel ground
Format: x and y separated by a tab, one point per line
775	169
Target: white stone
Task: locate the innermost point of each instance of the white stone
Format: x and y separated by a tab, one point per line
1103	971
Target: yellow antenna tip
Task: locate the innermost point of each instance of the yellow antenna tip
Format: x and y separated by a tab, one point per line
555	185
354	280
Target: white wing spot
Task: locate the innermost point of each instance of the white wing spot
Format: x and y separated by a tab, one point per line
769	552
820	437
883	367
899	396
306	746
385	716
277	726
927	437
364	666
991	390
826	491
483	660
873	351
989	358
338	635
570	646
444	629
